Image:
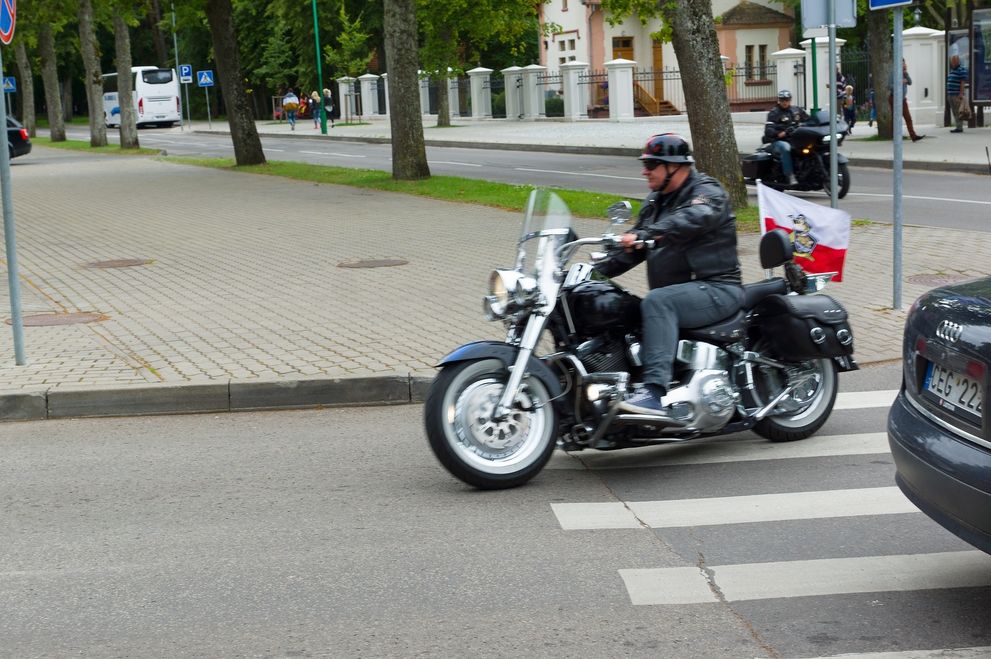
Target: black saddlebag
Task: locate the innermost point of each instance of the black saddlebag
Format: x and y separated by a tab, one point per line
802	327
756	165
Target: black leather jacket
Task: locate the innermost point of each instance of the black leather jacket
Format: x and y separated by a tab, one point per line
695	233
780	119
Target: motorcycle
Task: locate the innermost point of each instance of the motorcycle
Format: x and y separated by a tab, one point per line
810	145
496	410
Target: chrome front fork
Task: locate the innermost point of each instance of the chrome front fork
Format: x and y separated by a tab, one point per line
531	335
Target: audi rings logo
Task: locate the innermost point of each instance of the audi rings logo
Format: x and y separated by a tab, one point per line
948	331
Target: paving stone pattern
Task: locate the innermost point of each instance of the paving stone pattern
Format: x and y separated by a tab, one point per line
244	281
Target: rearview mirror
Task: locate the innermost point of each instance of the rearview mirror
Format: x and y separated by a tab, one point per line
620	212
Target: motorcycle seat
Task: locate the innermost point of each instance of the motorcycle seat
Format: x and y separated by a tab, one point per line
757	291
728	330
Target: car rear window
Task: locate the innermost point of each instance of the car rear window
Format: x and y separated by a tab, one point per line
158	77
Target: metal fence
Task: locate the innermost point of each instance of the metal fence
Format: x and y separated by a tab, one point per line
496	86
751	88
596	92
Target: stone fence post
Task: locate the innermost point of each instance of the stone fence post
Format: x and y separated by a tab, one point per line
514	82
620	77
481	93
533	95
385	82
424	93
575	98
345	97
787	63
453	95
369	94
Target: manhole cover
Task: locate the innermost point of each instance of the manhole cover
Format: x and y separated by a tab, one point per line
47	319
373	263
118	263
933	279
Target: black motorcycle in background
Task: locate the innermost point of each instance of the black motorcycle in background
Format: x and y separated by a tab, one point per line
810	144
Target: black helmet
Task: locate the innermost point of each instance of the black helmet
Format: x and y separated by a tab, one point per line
667	147
784	93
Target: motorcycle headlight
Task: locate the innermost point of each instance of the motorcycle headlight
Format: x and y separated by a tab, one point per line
524	290
501	283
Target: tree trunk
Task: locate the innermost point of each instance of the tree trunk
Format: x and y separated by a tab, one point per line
67	110
443	102
125	87
244	133
49	77
409	155
92	80
154	20
697	48
879	39
27	88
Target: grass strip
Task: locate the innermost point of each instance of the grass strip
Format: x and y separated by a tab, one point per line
77	145
449	188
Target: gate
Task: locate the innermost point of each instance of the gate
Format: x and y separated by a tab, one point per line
596	90
856	68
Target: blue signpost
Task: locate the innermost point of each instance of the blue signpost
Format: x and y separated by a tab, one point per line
8	18
205	80
896	138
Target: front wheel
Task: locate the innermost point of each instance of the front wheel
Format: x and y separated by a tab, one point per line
802	412
481	451
842	180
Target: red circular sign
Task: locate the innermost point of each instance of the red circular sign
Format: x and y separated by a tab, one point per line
8	16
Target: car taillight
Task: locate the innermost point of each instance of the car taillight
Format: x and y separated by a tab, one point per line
177	104
24	134
141	106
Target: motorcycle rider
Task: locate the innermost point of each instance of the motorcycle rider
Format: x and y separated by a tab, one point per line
781	120
692	269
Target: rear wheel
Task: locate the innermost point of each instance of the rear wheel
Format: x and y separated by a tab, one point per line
804	410
474	447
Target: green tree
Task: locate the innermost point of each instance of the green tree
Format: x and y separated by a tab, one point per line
351	55
409	155
690	26
455	31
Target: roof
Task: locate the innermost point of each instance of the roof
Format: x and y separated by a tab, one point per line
751	13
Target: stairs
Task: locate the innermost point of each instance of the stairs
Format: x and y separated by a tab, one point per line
646	103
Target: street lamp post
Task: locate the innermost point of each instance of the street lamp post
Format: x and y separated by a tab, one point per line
316	37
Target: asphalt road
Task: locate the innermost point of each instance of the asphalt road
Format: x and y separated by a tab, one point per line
951	200
335	533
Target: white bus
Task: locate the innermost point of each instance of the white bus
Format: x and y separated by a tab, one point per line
156	97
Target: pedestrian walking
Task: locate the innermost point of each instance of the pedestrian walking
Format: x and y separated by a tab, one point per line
328	106
290	103
849	108
906	115
956	92
313	105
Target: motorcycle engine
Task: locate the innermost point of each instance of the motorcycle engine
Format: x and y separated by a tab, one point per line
708	399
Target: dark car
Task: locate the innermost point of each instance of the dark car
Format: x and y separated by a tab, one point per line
17	138
939	435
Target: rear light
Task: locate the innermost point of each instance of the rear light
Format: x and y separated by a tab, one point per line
975	370
24	134
141	106
920	346
177	105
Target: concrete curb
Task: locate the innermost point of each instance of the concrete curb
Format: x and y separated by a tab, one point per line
881	163
217	397
213	397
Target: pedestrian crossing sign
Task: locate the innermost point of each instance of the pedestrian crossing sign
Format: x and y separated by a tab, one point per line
9	84
204	78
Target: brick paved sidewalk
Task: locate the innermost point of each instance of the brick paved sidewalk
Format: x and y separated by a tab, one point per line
244	281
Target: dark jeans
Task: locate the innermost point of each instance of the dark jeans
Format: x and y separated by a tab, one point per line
664	310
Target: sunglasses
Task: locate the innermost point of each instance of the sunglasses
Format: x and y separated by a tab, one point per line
651	165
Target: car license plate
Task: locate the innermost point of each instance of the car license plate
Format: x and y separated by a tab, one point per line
955	392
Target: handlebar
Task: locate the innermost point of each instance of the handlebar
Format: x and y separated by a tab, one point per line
611	240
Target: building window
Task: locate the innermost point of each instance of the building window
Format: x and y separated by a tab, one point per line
566	43
748	63
762	61
564	5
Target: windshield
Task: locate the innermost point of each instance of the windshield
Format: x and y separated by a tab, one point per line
546	226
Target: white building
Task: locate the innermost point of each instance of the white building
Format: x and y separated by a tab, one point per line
748	33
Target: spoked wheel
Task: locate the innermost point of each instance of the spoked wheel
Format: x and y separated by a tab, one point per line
801	413
481	451
842	181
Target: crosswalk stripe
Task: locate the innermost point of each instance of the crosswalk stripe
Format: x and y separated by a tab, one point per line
718	451
810	578
955	653
711	511
858	400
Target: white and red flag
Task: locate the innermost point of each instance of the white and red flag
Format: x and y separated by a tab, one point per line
820	234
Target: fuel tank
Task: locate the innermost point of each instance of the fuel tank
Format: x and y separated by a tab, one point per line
602	306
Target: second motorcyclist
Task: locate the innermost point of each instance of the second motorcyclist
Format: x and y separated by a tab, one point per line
692	269
781	121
